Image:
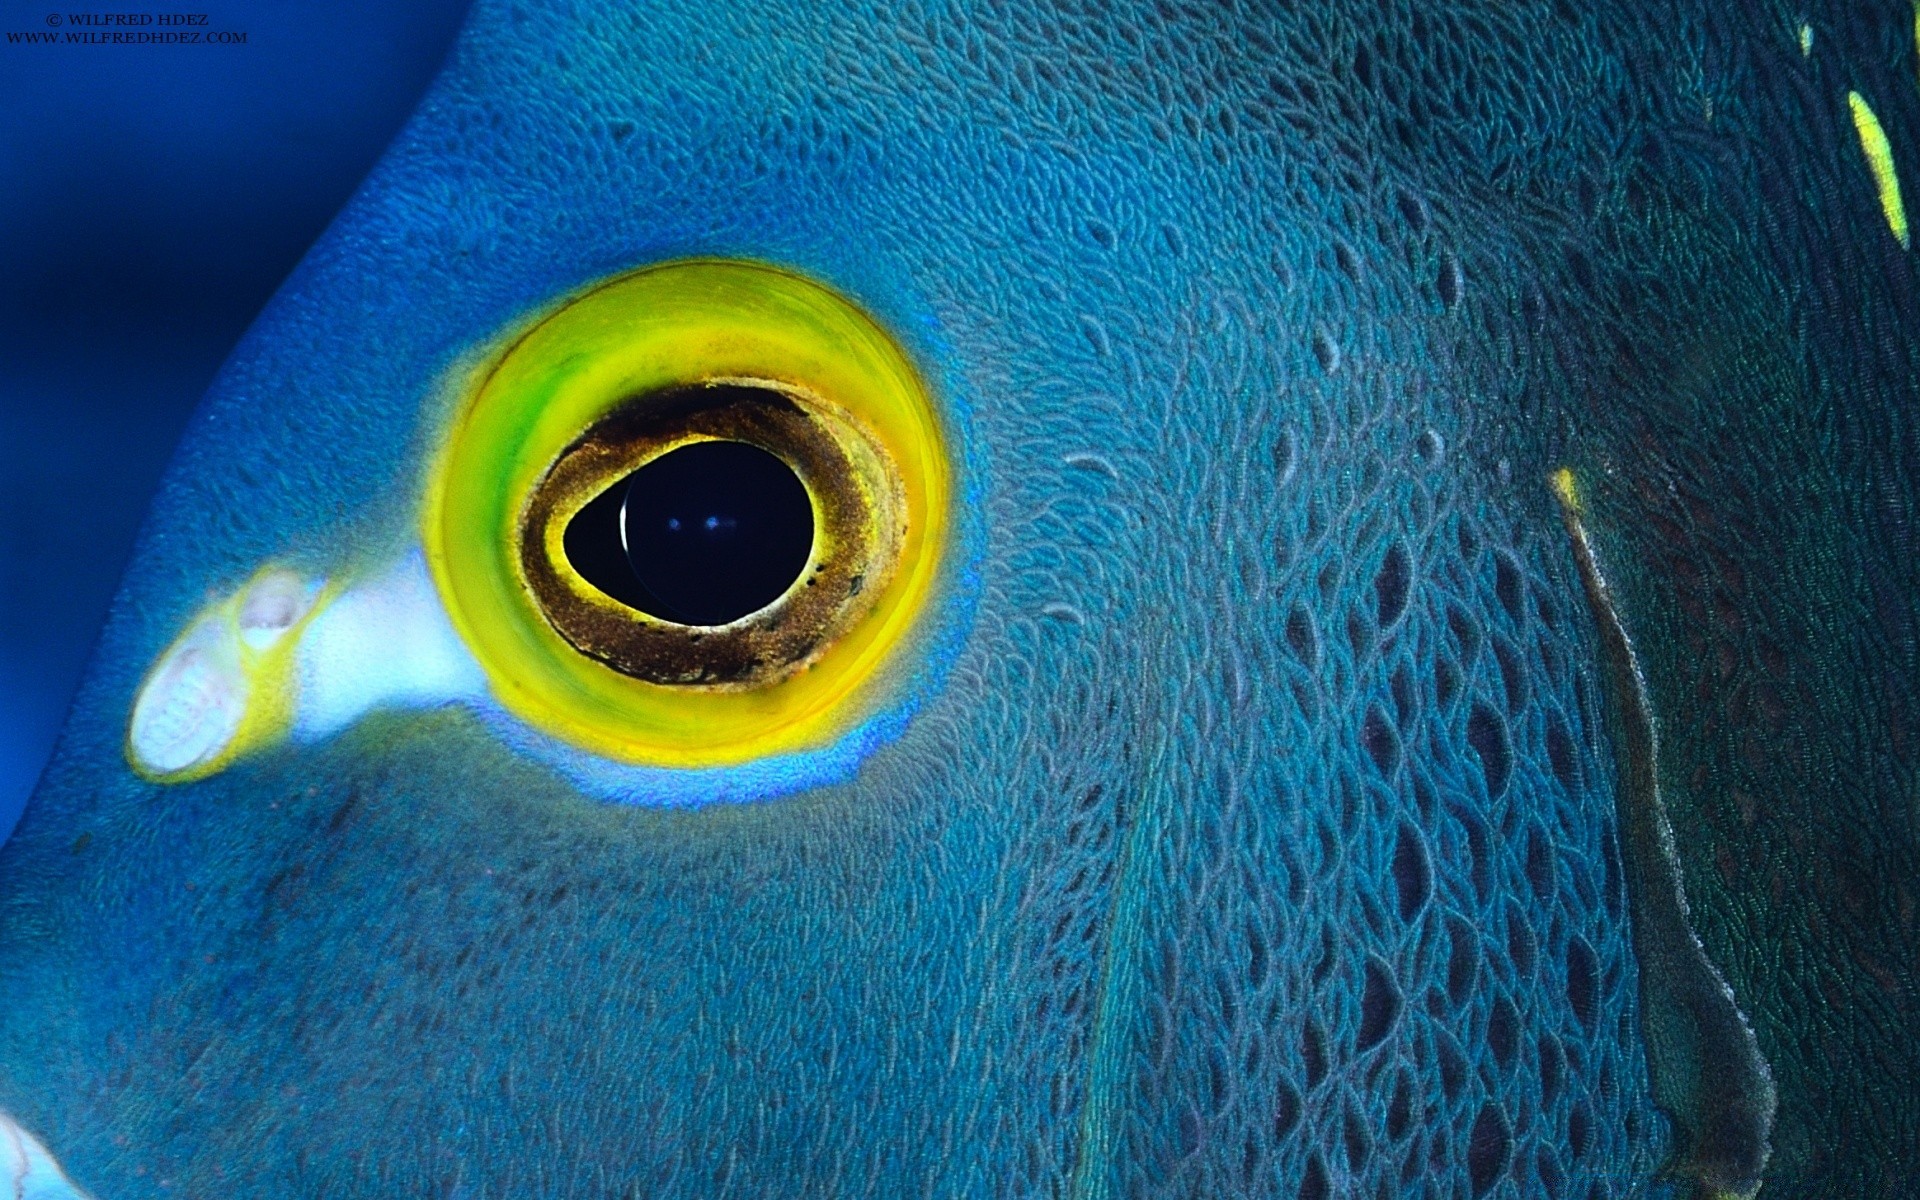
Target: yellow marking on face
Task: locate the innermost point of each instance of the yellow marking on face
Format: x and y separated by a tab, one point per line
1806	39
622	341
1873	141
225	686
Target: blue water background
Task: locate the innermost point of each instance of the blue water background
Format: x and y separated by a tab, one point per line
154	198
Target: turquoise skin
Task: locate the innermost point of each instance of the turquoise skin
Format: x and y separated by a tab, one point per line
1257	828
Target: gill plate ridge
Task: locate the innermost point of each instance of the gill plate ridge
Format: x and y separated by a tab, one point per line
1705	1064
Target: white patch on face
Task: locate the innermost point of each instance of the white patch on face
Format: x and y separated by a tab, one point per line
27	1170
286	654
289	657
273	604
192	704
385	643
195	702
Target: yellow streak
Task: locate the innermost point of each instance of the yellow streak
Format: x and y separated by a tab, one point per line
1563	487
1873	140
1806	36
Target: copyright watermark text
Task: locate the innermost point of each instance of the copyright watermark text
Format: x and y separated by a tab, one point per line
127	29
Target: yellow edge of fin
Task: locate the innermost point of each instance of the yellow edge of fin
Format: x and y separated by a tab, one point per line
1873	141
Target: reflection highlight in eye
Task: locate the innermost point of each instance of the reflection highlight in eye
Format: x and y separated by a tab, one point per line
563	417
853	499
644	542
630	374
749	548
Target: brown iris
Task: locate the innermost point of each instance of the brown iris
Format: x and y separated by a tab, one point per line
597	540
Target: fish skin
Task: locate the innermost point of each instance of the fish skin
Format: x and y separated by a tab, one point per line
1111	916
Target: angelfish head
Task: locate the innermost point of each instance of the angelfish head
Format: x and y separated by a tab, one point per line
803	600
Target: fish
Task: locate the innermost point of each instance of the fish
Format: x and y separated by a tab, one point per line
1033	599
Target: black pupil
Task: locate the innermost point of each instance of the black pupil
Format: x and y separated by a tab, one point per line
702	535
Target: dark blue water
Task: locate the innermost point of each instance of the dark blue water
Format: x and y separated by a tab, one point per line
155	197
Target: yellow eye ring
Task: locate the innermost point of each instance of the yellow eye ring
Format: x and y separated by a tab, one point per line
674	326
851	490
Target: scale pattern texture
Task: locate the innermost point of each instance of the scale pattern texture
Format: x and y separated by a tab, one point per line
1261	840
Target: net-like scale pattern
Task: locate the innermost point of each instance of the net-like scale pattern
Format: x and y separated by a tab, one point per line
1260	838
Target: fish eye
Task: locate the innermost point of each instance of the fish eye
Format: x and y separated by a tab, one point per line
689	517
697	557
704	534
715	531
